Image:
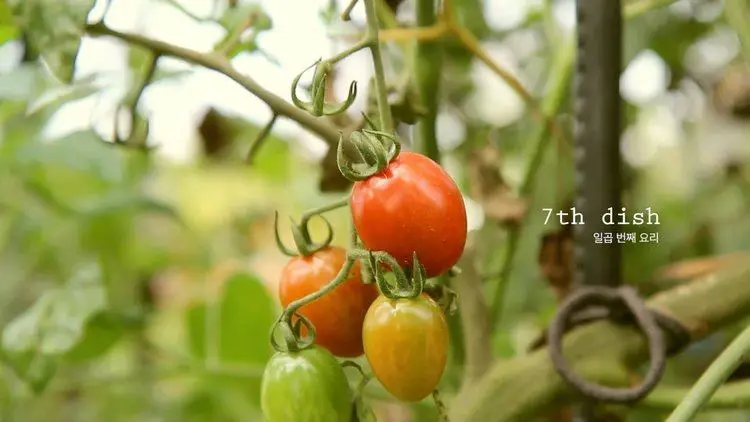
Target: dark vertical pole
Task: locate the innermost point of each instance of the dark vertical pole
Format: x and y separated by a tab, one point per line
597	152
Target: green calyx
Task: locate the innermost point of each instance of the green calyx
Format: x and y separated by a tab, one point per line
405	286
304	244
292	333
375	150
318	106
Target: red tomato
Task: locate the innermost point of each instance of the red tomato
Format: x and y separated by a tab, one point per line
412	206
406	344
337	316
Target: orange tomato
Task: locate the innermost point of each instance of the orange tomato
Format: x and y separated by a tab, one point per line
337	316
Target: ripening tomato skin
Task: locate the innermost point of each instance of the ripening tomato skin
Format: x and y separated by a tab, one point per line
305	386
412	206
337	316
406	344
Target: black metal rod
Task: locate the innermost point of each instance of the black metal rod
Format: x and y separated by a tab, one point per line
597	150
598	127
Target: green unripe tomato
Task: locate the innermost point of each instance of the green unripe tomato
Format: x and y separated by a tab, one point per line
305	386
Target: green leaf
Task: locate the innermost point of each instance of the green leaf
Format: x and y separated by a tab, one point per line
54	99
54	29
101	333
24	83
244	315
33	342
231	337
237	16
8	29
83	151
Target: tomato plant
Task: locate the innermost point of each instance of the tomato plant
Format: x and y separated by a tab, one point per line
307	385
413	205
337	316
406	343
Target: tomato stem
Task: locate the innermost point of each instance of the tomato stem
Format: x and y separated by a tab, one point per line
441	408
292	308
318	107
302	239
346	14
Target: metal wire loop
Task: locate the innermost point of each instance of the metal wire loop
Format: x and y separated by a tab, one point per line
622	305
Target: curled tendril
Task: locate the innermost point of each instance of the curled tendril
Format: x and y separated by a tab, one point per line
293	339
405	287
301	235
318	106
375	148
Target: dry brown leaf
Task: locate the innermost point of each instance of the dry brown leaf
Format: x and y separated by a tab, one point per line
331	179
698	267
732	92
489	188
556	260
217	133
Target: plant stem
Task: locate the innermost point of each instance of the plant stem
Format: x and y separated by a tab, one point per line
638	8
711	380
349	51
384	109
320	210
475	321
259	138
233	38
216	62
440	406
734	395
425	33
343	273
340	278
427	69
561	72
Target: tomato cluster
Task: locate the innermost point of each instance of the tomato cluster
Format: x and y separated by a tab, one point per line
410	208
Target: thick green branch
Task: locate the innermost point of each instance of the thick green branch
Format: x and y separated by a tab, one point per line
220	64
527	387
427	67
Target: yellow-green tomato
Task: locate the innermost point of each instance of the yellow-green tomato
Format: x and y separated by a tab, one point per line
305	386
406	343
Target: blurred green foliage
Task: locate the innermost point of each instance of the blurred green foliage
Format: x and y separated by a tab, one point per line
135	289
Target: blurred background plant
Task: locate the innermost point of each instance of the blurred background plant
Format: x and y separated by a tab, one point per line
141	286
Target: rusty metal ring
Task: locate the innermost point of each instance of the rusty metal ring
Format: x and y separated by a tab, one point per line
625	302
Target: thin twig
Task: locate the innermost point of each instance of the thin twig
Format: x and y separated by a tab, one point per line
384	109
475	321
220	64
233	38
427	73
259	138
